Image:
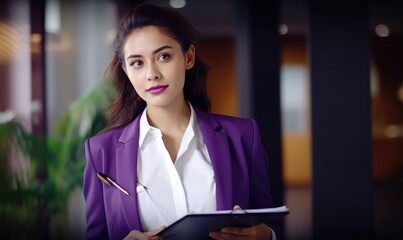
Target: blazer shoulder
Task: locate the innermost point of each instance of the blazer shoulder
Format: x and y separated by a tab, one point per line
233	121
106	138
234	124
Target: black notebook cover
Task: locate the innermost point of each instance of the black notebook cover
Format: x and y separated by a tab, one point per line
198	226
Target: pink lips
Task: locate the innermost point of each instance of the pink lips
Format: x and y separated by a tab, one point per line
157	89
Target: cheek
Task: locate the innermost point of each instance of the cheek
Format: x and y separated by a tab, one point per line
138	87
178	74
136	84
134	77
182	77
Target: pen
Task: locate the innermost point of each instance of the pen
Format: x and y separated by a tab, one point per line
110	182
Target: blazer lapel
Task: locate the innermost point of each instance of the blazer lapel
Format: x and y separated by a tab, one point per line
220	155
126	171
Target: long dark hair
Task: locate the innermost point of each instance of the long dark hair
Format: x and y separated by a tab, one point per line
127	104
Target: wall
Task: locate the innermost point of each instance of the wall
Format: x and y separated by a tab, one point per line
15	61
219	54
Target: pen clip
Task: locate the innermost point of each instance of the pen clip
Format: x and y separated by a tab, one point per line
104	178
110	182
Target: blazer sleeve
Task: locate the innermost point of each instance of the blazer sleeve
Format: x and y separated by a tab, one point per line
93	194
260	196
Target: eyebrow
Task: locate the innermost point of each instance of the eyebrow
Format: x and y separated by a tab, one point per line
154	52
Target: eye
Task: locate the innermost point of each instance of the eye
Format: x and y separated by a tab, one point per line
164	57
136	63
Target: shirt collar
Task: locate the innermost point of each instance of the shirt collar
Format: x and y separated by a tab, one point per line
146	129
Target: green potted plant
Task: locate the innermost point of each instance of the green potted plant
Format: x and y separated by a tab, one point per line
38	173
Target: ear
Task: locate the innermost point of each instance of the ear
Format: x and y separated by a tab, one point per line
190	57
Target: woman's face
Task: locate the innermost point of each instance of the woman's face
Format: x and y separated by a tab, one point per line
155	64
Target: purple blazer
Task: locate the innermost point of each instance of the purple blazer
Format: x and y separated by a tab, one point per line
237	155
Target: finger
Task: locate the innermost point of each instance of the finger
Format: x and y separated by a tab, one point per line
219	236
249	231
227	236
155	238
136	235
155	231
237	207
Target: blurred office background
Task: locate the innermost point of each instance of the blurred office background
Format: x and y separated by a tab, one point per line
323	80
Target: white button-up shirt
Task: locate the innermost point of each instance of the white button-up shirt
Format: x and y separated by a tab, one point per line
166	190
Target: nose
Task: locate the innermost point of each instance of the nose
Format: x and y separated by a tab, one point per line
153	73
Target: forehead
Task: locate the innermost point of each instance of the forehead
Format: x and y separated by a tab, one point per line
147	39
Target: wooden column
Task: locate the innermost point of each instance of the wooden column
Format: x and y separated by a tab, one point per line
38	34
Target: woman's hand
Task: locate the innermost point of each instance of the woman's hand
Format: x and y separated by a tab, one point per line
261	231
137	235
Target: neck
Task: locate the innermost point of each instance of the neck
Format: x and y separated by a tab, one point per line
169	119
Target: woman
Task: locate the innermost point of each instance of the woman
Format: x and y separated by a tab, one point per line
168	155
